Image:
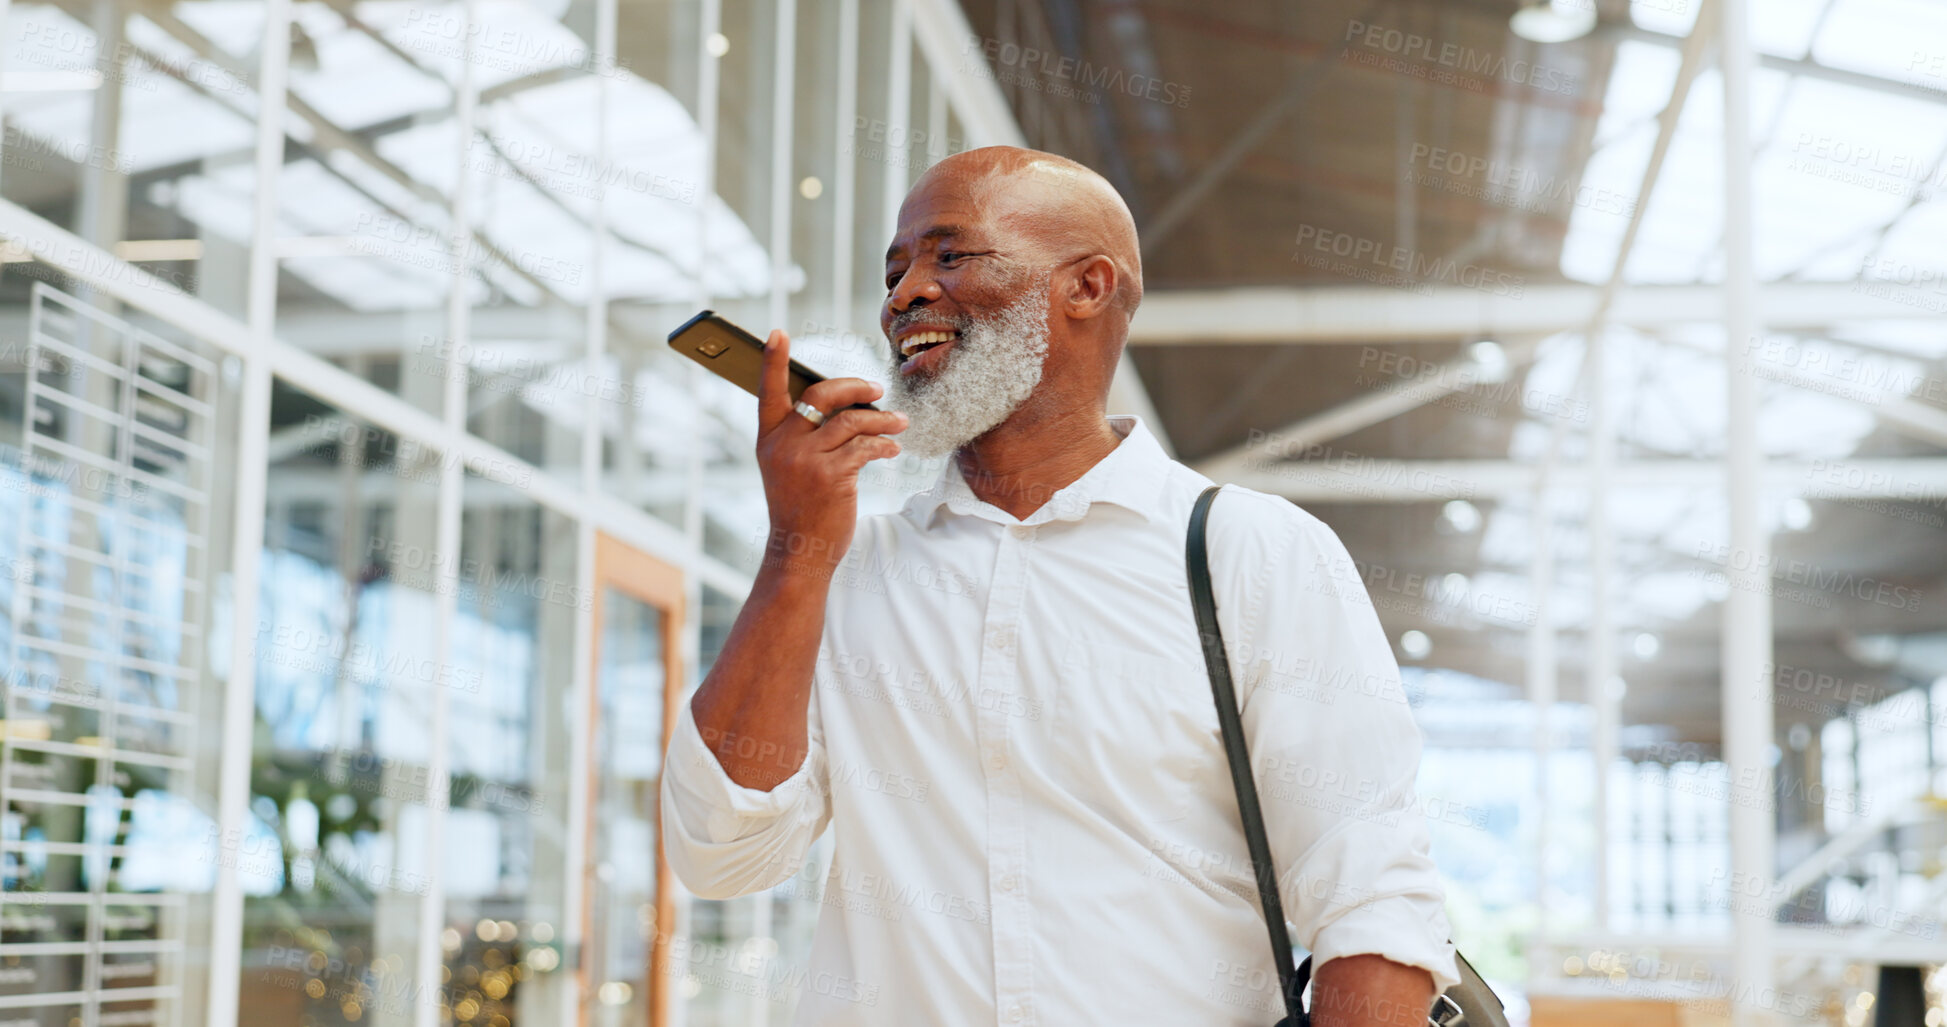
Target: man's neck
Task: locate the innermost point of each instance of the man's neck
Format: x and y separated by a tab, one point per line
1021	464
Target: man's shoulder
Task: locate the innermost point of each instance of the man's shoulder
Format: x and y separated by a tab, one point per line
1267	538
1246	512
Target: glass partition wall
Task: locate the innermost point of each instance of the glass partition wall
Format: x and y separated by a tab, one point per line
361	534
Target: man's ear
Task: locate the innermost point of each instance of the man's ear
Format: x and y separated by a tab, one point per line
1092	287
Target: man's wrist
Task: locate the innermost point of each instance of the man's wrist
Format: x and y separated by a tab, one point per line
794	577
801	555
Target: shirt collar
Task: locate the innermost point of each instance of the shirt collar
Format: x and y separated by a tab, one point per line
1131	476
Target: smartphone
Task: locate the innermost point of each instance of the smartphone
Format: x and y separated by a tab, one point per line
735	355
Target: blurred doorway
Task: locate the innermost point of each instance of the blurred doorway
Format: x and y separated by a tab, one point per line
630	903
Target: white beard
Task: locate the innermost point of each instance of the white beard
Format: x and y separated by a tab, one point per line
991	370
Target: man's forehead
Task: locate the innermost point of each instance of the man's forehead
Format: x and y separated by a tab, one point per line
958	201
936	211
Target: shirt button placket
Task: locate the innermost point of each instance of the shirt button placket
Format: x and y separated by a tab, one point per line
1006	820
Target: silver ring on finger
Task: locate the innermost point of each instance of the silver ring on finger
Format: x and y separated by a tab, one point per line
810	413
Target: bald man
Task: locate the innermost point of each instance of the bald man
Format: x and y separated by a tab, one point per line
996	697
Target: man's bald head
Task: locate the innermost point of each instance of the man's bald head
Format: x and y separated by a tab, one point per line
1062	207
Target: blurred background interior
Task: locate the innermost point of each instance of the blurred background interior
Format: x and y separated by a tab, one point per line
361	532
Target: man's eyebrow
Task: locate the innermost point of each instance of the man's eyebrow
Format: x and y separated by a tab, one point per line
937	232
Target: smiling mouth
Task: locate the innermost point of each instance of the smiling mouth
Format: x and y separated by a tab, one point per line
921	341
923	352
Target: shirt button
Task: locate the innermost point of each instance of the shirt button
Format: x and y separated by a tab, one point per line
996	760
1014	1013
1021	531
1000	638
1008	883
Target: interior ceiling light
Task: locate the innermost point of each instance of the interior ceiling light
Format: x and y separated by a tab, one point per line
1553	21
1490	361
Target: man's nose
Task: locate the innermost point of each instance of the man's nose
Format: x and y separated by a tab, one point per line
913	288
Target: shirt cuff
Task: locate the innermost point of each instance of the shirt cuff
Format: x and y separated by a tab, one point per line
1396	928
730	810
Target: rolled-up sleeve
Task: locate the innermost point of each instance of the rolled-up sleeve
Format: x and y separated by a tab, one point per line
1335	750
723	839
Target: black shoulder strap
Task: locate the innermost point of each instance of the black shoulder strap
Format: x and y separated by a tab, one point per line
1216	659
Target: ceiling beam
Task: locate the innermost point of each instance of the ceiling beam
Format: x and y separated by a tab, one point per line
1359	314
1342	477
1368	408
1792	66
1910	416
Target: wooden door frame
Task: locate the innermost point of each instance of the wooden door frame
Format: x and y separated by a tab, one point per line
656	584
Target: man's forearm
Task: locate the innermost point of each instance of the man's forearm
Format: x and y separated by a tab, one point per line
750	709
1370	991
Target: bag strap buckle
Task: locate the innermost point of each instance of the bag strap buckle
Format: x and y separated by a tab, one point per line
1446	1013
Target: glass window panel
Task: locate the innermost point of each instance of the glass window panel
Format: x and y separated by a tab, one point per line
746	73
535	178
367	256
916	147
630	679
346	681
506	799
814	189
872	158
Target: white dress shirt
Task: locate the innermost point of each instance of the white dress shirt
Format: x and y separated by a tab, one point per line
1013	738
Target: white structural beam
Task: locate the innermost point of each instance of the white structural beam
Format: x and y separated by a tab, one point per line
576	909
1600	690
1541	688
247	532
1911	417
330	332
1916	420
429	953
1747	699
1804	68
1359	314
899	105
1367	409
1343	477
947	40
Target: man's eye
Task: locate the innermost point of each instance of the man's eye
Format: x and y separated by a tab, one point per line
949	256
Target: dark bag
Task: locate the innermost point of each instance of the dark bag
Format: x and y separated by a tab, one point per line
1471	1003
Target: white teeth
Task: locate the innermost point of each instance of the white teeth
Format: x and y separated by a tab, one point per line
919	339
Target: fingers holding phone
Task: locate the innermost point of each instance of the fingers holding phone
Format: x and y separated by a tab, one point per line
810	464
774	384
